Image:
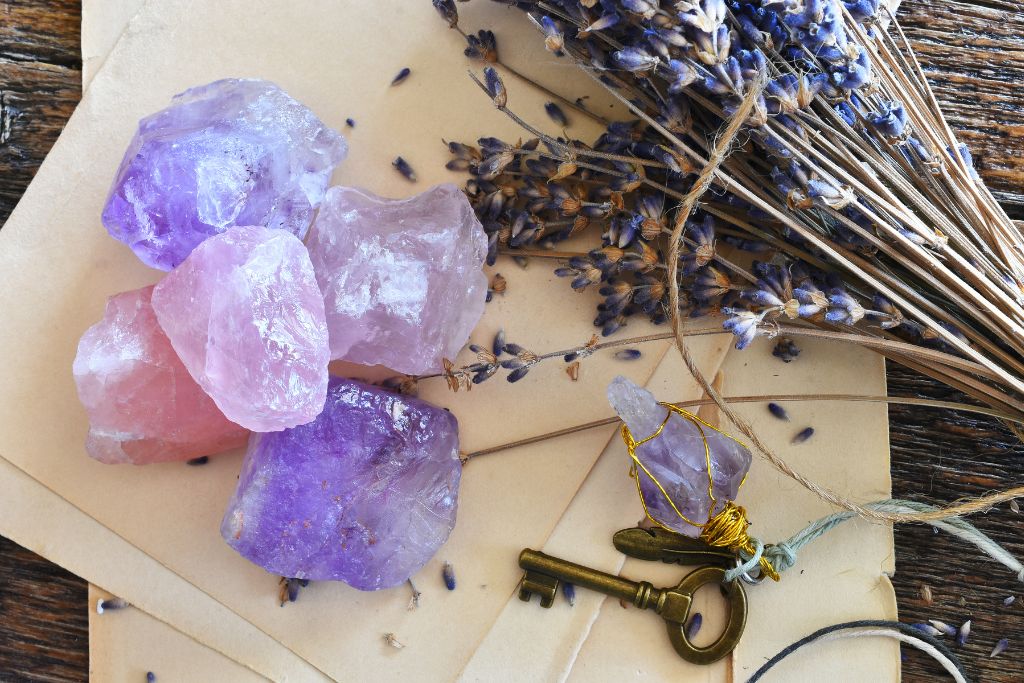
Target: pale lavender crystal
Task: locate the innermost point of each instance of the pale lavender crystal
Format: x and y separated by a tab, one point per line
366	494
402	278
246	317
233	152
678	460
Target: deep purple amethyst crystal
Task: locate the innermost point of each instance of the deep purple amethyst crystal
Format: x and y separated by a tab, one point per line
233	152
365	494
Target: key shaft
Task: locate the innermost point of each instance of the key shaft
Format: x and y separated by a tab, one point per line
640	593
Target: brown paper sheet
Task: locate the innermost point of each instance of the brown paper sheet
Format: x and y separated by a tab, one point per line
341	61
132	643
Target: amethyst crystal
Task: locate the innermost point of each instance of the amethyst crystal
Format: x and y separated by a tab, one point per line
678	460
402	278
233	152
365	494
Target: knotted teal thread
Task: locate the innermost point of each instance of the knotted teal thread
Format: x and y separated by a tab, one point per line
783	555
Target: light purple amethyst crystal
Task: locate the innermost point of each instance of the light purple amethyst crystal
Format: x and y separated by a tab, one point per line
246	317
233	152
365	494
678	460
402	278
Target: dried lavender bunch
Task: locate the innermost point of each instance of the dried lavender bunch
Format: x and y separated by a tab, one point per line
851	208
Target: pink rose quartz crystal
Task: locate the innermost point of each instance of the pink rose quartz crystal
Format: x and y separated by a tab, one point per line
402	278
143	405
245	315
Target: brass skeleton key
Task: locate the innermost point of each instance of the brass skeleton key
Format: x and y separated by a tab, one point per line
543	573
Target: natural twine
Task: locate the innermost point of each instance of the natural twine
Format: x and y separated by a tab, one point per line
718	155
783	555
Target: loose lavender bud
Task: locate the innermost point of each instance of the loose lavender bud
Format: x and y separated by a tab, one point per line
964	633
628	354
401	76
803	435
351	123
151	677
556	114
403	167
448	574
1000	647
778	411
945	628
1009	601
693	628
201	460
569	591
111	604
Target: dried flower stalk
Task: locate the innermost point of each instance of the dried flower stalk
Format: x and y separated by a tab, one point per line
850	212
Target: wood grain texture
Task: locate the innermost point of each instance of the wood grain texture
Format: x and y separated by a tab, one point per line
972	52
40	84
44	626
973	55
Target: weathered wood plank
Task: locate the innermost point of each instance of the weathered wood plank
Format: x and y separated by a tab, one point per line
44	627
40	84
973	54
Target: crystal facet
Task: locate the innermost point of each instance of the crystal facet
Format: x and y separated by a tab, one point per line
233	152
678	460
366	494
143	405
402	279
245	315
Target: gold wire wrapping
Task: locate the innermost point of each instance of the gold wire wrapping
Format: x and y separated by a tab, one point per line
727	528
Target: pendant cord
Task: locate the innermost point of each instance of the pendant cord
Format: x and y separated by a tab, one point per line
871	627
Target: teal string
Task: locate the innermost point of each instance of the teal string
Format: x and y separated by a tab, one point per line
784	555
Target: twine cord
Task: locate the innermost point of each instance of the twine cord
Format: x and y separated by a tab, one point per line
875	627
719	153
784	555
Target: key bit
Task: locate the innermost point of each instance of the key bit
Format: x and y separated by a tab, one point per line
659	544
543	574
543	585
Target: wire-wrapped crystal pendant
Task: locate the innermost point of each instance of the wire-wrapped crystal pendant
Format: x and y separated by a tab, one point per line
673	454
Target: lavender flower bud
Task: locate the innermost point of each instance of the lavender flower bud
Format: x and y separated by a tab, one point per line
634	59
448	11
495	87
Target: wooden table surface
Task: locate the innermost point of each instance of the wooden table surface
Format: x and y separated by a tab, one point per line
974	54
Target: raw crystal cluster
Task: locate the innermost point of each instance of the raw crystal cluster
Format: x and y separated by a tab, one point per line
366	494
402	279
233	152
678	460
246	316
143	405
